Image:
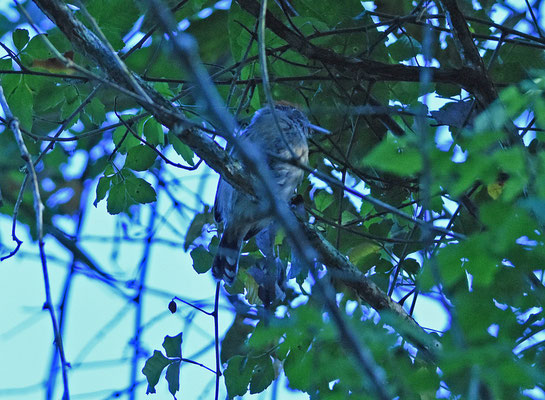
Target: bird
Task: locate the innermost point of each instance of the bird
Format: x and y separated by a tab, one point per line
279	133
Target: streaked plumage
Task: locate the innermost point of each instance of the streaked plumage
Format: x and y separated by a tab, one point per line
242	215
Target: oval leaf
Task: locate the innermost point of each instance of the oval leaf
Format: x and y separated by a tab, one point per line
202	259
20	38
140	190
140	158
117	198
153	132
182	149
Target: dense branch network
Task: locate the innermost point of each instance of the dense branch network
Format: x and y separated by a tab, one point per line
325	65
167	114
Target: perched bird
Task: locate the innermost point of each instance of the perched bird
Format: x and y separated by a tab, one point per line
244	216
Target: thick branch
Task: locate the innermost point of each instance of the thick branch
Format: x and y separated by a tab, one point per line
484	90
86	41
466	77
343	270
463	40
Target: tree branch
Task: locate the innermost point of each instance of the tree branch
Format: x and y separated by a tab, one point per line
166	113
230	169
343	270
485	90
466	77
13	124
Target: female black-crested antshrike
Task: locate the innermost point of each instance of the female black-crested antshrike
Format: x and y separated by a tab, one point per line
244	216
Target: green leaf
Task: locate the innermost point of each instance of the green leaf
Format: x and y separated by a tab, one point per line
513	100
395	156
195	230
173	377
140	158
140	190
202	259
21	104
117	199
163	88
71	103
48	97
71	93
332	15
153	368
239	38
102	189
359	254
181	148
410	265
404	48
6	65
263	375
406	92
323	200
20	38
251	288
447	89
109	170
96	111
37	49
237	376
235	341
115	18
123	139
10	82
173	345
299	369
153	131
210	43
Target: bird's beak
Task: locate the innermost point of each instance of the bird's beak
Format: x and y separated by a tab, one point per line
319	129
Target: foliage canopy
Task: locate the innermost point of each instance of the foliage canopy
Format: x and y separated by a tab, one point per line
429	188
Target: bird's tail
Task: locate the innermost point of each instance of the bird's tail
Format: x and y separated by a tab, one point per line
225	262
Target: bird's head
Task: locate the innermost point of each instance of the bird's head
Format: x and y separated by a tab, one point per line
286	110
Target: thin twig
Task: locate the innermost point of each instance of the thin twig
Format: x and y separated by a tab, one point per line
217	340
18	242
534	19
69	279
13	124
146	143
143	267
265	75
211	313
188	360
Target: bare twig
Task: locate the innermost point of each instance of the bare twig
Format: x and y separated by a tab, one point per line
138	299
18	242
13	124
67	286
217	340
215	315
534	19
